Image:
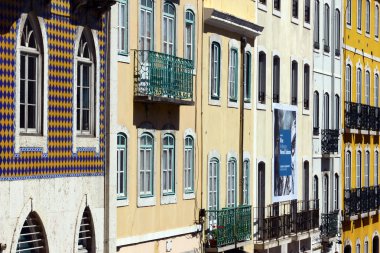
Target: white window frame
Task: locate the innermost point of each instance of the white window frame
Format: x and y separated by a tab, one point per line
366	167
123	48
348	13
326	192
193	35
233	74
326	28
347	170
40	140
368	18
376	89
359	82
166	37
358	169
294	82
215	97
189	193
246	181
367	86
169	195
248	72
146	10
359	16
317	16
88	141
122	148
231	187
336	191
348	87
376	168
214	158
376	21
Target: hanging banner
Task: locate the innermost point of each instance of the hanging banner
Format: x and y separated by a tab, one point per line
284	153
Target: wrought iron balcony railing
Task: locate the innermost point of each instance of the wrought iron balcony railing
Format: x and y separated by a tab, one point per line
361	116
163	77
229	226
351	115
364	199
330	138
361	200
286	218
363	111
329	224
352	203
374	123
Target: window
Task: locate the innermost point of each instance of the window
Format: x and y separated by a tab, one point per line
376	169
213	184
294	82
146	25
357	247
295	8
306	184
277	5
359	86
316	190
348	12
247	77
306	86
190	35
307	11
336	192
326	111
261	189
262	77
123	27
85	106
348	83
233	75
376	21
359	15
358	169
376	91
276	79
325	194
146	165
366	169
169	32
231	183
337	32
215	70
168	164
316	24
246	175
367	87
366	247
86	240
326	29
347	170
189	164
32	235
121	166
337	111
31	67
367	17
263	2
316	113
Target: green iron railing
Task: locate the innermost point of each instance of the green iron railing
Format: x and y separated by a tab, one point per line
229	226
163	75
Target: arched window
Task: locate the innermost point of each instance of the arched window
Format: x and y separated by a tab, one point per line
367	87
294	79
307	11
85	85
347	171
358	169
367	18
32	237
247	77
121	165
326	111
366	169
316	113
348	12
376	91
231	182
168	164
316	191
316	24
366	246
86	240
376	169
190	35
306	184
376	21
337	112
233	75
306	86
261	198
169	29
262	78
215	70
357	247
246	173
337	32
189	164
359	17
336	192
359	85
213	184
348	83
375	244
326	28
325	194
146	165
276	79
146	25
30	77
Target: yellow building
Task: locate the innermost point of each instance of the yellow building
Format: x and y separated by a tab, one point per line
361	59
156	51
227	122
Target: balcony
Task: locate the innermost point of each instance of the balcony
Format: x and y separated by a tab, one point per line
286	218
99	6
228	228
163	78
362	117
329	226
361	200
374	123
330	138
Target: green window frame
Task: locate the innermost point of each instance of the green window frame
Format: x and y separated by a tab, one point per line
146	29
168	164
233	75
123	10
246	173
215	70
189	165
247	77
146	165
190	35
169	29
231	182
121	166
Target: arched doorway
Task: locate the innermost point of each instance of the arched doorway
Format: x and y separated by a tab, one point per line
32	237
86	240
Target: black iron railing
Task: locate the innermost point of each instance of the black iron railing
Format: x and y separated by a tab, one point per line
352	204
361	116
374	118
330	138
329	224
364	199
361	200
351	115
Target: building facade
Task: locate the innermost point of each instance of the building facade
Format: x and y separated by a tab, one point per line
360	152
327	65
53	85
286	213
156	64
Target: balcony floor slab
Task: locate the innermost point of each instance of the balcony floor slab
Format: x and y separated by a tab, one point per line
229	247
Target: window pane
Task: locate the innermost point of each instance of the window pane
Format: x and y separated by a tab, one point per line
31	116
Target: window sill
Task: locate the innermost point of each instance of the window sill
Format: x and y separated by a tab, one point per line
377	38
232	104
146	201
307	25
276	13
295	21
169	199
262	7
124	58
248	105
359	31
367	35
215	102
29	142
86	143
306	111
122	202
190	195
261	106
348	26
